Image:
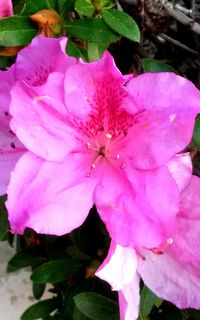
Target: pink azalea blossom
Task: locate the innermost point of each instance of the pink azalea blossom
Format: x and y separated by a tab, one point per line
6	8
171	271
95	137
11	148
33	66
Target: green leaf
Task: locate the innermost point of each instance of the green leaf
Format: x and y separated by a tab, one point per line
191	314
23	260
147	301
56	271
4	224
84	7
76	51
19	7
92	30
152	65
96	50
122	23
78	315
40	309
64	6
38	290
32	6
37	5
95	306
16	31
196	133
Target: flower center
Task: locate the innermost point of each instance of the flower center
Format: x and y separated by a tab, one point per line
105	146
104	131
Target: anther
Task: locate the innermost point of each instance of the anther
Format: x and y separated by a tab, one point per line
123	166
88	145
38	98
170	241
108	135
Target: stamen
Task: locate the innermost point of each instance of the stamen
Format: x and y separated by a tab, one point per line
170	241
163	246
108	135
89	145
38	98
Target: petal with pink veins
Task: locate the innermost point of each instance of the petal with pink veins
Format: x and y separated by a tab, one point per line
11	148
42	57
94	87
41	121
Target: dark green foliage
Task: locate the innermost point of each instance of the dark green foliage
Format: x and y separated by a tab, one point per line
16	30
152	65
95	306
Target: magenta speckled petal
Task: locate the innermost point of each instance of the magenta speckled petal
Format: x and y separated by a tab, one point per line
42	57
10	147
40	120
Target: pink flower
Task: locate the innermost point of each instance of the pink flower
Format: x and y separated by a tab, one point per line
10	147
33	66
6	8
95	137
171	271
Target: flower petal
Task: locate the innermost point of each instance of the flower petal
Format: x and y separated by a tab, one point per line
42	57
6	8
119	269
10	147
8	161
7	79
41	121
180	167
168	105
138	208
47	196
175	274
129	300
90	87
